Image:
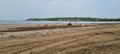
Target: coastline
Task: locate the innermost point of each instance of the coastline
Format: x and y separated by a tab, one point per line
30	27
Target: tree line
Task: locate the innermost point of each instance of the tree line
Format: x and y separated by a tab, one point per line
73	19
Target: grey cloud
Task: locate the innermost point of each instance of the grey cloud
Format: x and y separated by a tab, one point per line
22	9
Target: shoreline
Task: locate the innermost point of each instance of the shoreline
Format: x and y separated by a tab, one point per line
30	27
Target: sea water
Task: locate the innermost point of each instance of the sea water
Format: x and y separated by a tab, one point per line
53	22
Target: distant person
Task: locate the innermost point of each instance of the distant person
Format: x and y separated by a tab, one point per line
69	24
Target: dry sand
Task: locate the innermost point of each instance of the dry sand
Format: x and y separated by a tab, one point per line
100	39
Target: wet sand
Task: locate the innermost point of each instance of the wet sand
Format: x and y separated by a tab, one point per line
30	27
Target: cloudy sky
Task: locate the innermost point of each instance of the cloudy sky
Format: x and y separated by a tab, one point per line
23	9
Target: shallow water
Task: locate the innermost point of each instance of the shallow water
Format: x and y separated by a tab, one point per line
51	22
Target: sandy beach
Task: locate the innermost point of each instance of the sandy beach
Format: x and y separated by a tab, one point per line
30	27
60	39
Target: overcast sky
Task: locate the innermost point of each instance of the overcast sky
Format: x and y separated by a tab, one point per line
23	9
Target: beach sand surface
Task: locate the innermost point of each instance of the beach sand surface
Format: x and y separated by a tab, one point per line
97	39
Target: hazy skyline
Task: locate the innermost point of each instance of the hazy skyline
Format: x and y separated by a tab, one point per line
23	9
